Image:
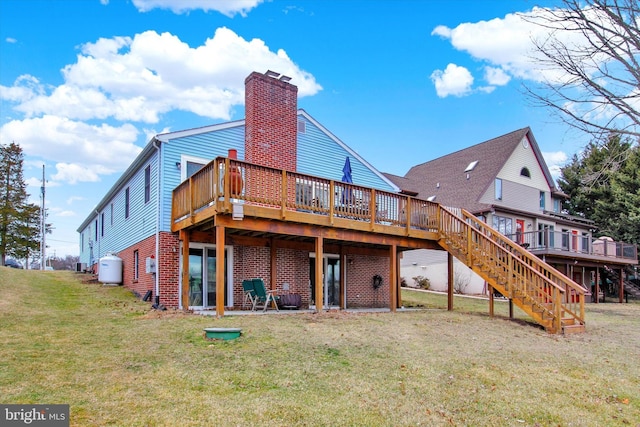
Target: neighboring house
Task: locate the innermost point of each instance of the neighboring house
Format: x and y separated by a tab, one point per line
134	218
506	183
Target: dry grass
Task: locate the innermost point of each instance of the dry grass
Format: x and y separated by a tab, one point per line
119	364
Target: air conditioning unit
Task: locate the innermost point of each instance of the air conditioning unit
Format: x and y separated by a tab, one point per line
81	267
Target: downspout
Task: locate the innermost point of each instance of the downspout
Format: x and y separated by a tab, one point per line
156	145
98	237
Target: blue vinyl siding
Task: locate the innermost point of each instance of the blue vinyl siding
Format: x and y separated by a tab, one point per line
320	155
205	146
124	232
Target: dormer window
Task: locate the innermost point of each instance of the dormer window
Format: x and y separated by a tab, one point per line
525	172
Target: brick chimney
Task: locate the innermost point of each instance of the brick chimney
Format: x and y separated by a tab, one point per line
271	120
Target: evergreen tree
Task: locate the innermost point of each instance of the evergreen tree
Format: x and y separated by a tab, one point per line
19	220
604	185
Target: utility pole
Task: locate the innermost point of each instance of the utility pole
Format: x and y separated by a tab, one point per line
43	225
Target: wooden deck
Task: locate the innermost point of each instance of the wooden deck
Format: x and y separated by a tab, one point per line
237	200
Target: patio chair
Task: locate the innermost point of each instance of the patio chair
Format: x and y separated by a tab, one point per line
249	294
263	296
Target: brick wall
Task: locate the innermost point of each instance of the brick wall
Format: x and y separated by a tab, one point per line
146	281
270	122
254	262
360	292
250	262
293	268
169	267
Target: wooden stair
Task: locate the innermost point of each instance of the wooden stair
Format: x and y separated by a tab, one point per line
546	295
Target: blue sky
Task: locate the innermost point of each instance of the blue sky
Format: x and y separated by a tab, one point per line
84	84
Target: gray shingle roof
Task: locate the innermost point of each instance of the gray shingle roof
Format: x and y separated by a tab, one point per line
446	179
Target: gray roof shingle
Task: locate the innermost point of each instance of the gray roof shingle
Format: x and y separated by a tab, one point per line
446	179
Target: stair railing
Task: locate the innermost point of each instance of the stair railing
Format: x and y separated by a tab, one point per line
519	273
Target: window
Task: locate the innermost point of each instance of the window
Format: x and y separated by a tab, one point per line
542	200
546	235
302	127
565	239
147	184
585	242
498	188
190	165
525	172
112	214
193	167
557	205
136	267
96	231
126	203
503	224
102	224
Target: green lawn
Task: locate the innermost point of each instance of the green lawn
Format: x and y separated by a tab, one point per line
118	363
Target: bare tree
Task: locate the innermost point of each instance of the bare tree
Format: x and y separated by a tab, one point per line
594	48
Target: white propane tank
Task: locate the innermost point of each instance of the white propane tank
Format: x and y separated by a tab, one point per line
110	271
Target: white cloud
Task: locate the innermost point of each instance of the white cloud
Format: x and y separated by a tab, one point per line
505	45
11	40
454	80
555	160
65	213
139	79
496	76
94	149
124	80
73	199
226	7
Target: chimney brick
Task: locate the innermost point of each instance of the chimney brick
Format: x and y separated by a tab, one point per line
271	122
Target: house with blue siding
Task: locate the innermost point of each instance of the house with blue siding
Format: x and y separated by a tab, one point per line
134	218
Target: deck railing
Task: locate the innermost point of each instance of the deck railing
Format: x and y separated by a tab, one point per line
566	241
296	192
543	292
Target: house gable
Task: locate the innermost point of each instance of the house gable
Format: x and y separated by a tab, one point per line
522	179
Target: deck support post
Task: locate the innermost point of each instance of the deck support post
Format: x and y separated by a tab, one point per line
491	301
621	292
596	295
393	278
220	270
184	236
343	277
450	281
273	264
399	279
319	276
